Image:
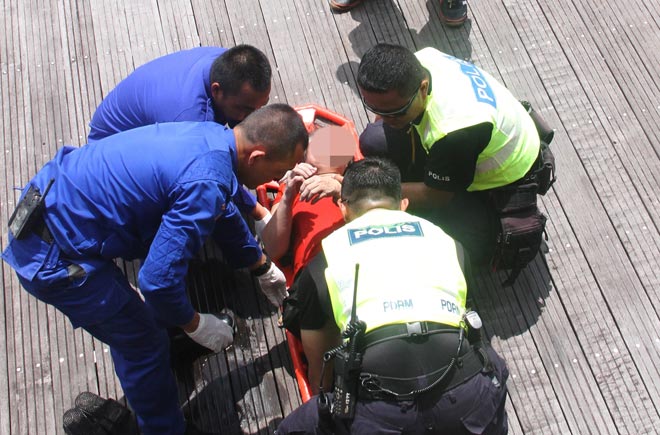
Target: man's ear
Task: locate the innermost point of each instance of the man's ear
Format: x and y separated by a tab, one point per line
424	87
255	155
343	209
216	90
404	204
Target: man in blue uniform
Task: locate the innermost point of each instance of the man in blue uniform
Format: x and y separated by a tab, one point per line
153	193
420	367
200	84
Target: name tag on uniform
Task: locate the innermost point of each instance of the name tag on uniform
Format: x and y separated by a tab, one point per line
406	229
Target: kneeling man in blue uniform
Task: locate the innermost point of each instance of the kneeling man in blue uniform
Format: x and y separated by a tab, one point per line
153	193
414	361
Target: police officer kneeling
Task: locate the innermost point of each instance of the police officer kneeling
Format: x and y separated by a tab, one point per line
411	363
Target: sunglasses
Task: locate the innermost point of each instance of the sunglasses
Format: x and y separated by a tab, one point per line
393	113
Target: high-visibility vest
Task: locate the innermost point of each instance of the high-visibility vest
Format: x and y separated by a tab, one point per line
464	95
409	271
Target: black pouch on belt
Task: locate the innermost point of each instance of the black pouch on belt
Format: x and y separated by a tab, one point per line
521	228
544	174
546	134
28	211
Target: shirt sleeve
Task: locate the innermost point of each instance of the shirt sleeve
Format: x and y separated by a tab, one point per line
453	159
315	305
198	205
183	229
234	238
244	200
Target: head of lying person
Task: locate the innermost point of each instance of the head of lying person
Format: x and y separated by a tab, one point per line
370	183
330	149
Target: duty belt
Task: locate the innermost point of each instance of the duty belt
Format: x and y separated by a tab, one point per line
404	330
374	387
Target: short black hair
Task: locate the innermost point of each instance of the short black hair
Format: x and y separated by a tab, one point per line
241	64
387	67
278	127
371	179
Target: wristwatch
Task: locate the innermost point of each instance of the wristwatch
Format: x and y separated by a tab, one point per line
263	268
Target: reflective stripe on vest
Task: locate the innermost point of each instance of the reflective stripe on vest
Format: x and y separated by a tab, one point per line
409	271
514	144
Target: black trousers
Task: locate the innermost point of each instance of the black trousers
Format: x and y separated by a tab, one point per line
474	407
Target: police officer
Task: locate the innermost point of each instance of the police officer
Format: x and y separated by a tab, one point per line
200	84
153	193
456	134
419	373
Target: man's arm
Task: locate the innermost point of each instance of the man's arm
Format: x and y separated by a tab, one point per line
318	331
423	197
450	167
183	229
317	342
276	236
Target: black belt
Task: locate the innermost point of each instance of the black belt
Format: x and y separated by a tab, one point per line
41	230
404	330
468	365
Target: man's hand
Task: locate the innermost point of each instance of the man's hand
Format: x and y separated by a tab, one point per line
210	332
294	179
273	284
320	186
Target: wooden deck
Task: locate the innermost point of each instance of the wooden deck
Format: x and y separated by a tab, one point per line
580	330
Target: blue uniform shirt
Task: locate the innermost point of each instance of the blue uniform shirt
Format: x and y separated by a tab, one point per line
156	193
171	88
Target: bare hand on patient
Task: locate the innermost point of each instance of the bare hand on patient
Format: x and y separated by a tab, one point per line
321	186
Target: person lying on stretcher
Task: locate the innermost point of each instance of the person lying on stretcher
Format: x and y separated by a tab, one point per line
305	212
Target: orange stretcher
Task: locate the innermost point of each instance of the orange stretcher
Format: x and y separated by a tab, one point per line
314	118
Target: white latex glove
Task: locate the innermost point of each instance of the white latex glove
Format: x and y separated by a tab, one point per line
273	284
261	224
212	333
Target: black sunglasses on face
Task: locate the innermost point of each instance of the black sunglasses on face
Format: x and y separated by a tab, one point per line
393	113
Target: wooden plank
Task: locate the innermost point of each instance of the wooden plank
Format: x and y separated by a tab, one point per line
114	59
213	23
178	25
591	227
13	130
330	62
248	26
145	33
528	382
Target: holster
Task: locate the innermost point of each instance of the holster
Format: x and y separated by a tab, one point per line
543	174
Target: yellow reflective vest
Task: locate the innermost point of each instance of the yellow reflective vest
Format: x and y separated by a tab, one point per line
409	271
464	95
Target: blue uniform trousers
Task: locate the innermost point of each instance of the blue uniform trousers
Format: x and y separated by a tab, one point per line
474	407
104	304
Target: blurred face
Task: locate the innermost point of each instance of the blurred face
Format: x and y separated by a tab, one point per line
237	107
263	169
330	149
396	110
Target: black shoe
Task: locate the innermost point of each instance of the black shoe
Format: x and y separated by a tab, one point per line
453	12
76	422
340	6
107	414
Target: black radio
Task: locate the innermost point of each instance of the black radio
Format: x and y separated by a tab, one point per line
27	211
